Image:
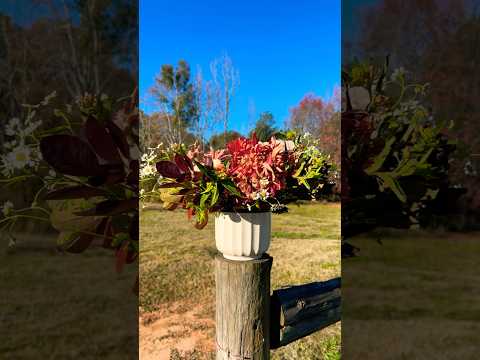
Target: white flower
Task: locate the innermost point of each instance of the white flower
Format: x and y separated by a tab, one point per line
147	170
19	157
7	208
398	74
469	169
12	126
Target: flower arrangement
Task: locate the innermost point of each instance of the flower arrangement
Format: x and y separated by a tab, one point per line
247	176
395	155
87	168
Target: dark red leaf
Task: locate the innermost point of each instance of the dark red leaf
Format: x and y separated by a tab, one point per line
112	174
121	258
107	233
133	176
70	155
169	169
171	206
101	140
74	192
134	227
183	163
81	244
131	256
133	120
185	191
111	207
102	226
169	185
190	213
119	138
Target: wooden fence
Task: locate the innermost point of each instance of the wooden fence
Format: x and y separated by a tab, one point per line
251	322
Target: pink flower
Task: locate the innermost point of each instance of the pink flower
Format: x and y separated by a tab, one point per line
194	152
215	158
259	169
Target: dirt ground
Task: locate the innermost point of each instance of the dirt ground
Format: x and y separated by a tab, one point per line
162	330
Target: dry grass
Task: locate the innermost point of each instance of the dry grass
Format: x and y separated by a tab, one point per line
65	306
414	297
176	274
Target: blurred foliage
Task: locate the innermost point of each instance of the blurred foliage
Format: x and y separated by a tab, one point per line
395	155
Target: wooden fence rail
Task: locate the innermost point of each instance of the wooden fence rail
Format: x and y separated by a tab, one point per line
298	311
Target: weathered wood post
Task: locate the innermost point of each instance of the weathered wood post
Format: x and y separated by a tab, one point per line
243	308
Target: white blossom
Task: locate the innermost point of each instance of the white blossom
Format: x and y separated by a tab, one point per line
7	208
12	127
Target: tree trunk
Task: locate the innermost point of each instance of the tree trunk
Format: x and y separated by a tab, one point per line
243	308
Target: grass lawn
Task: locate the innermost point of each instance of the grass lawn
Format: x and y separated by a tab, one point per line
177	289
415	296
65	306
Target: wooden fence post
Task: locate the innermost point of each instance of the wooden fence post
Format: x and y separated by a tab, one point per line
243	308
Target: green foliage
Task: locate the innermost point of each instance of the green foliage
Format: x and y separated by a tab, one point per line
395	146
220	140
264	127
315	173
174	89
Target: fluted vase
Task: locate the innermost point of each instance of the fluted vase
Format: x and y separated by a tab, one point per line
243	236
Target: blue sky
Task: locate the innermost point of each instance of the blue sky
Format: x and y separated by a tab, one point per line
282	49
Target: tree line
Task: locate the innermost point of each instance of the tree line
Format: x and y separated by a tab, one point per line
192	108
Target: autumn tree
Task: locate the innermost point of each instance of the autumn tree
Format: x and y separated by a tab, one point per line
310	114
319	117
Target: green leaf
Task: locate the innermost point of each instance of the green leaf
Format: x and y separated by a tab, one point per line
203	200
380	159
215	195
390	182
231	188
209	173
299	171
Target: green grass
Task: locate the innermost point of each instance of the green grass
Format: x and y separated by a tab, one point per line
421	287
176	266
65	306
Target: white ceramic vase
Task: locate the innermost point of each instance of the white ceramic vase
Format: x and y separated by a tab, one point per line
243	236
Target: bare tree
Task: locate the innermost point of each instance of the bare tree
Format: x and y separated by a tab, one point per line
205	104
226	79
